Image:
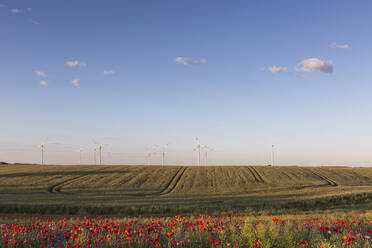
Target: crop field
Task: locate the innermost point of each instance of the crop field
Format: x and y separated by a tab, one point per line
162	190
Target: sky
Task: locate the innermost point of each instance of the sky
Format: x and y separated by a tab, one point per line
136	75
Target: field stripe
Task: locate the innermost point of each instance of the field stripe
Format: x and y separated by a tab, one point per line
174	181
259	175
171	185
255	174
330	181
56	188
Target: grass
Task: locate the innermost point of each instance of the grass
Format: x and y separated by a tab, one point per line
174	189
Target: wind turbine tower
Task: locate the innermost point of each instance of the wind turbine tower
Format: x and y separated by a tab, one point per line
95	156
207	149
100	148
42	147
81	155
163	152
272	154
100	154
198	149
42	153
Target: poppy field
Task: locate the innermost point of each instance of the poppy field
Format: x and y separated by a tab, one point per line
322	230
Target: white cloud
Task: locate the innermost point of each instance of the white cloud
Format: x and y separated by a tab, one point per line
44	83
76	63
29	9
190	61
340	46
41	74
315	65
277	69
109	72
75	82
16	11
35	22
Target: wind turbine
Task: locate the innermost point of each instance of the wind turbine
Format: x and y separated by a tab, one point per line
198	149
149	153
42	147
95	156
207	149
272	154
81	155
99	150
163	152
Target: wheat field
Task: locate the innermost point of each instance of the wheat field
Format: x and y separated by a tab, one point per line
25	188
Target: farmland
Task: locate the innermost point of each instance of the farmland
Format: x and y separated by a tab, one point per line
156	189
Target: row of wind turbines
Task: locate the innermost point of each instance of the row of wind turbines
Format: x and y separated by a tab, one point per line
98	151
198	148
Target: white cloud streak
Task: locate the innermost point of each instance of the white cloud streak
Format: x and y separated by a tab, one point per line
44	83
315	65
35	22
16	11
76	63
277	69
41	74
339	46
109	72
75	82
190	61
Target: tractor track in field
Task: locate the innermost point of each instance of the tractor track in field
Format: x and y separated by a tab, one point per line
257	177
171	185
174	181
56	188
329	181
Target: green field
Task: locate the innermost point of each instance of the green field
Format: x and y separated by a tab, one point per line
155	189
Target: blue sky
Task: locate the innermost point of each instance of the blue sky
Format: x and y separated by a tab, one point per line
241	75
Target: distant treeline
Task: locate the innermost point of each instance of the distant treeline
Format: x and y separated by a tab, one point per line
6	163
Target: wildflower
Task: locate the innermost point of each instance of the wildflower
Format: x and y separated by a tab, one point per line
303	242
257	244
